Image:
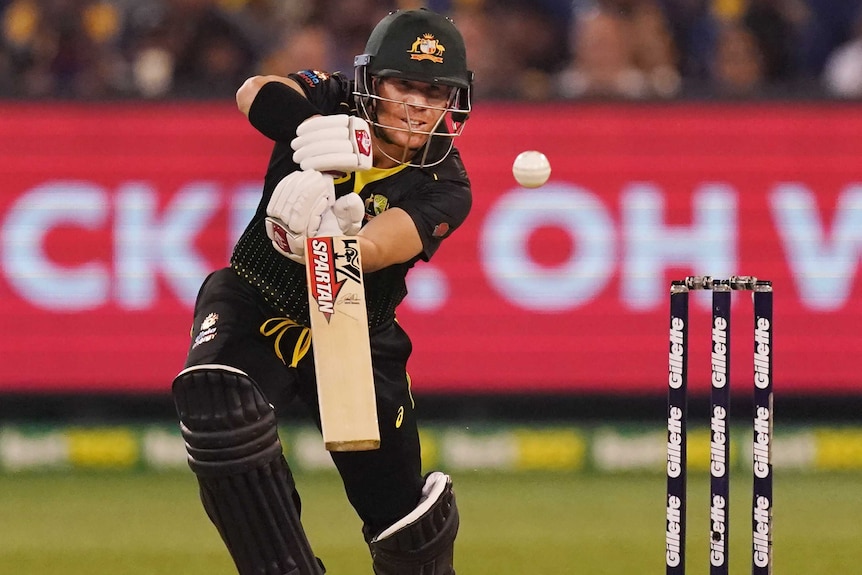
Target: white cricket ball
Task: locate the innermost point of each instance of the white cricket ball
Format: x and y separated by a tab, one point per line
531	169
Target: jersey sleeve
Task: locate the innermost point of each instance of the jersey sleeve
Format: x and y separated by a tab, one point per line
329	93
438	209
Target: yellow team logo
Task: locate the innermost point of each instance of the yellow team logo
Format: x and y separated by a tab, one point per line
376	205
426	47
399	419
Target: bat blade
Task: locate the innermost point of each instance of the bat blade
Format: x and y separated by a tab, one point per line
342	351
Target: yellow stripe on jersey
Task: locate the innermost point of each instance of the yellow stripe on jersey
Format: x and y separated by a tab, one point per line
365	177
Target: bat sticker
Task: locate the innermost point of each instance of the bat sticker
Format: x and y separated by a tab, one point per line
330	269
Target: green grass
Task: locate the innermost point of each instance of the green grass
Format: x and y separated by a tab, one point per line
110	524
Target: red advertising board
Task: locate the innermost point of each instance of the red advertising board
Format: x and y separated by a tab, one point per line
111	215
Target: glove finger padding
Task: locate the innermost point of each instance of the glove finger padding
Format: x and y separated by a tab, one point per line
349	211
295	209
304	215
322	123
322	148
338	144
321	134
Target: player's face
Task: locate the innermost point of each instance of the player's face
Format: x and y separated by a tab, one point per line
409	111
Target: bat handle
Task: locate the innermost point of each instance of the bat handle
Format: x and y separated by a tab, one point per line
329	225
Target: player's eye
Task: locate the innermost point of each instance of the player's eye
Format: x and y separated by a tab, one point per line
438	93
434	94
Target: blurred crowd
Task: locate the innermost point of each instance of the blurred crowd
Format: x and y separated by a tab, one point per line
519	49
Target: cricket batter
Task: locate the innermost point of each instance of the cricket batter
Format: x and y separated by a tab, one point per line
401	192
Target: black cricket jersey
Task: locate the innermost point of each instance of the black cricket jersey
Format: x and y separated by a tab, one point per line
437	198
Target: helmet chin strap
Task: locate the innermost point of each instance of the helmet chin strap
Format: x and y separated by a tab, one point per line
409	154
379	131
382	132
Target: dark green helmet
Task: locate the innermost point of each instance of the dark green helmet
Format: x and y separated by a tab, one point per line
418	45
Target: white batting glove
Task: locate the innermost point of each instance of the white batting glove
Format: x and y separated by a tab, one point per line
295	210
349	211
337	144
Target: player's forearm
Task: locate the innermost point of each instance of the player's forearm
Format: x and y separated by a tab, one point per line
390	238
250	88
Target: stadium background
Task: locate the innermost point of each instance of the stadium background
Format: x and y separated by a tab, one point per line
540	328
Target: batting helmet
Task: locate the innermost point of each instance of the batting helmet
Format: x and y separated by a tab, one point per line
421	46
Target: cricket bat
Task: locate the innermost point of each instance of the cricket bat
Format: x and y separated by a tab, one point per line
339	335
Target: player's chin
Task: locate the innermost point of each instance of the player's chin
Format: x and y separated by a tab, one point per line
406	140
